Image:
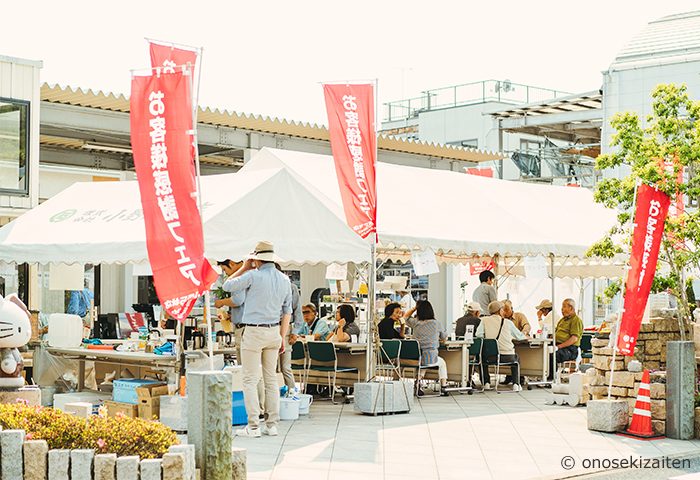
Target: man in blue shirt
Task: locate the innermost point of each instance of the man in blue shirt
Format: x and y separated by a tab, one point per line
312	325
268	309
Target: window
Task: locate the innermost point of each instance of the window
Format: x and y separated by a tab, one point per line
530	146
14	146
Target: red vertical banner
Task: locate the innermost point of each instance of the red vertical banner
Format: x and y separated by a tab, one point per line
649	219
169	57
161	140
353	143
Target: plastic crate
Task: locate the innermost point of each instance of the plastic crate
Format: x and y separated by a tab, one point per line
239	417
124	389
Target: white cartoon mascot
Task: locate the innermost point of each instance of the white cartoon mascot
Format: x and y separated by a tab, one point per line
15	331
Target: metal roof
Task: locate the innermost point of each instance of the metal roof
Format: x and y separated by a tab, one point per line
663	41
573	103
120	103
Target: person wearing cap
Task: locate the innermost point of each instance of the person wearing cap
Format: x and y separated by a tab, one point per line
567	335
504	332
266	316
519	319
544	313
471	317
486	292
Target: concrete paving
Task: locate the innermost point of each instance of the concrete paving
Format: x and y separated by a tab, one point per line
482	436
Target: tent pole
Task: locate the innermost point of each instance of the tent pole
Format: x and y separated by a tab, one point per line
554	336
371	307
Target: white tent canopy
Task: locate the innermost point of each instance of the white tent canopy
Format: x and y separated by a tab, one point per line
460	216
103	223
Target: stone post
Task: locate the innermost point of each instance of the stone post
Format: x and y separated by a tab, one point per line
58	464
151	469
680	389
174	466
35	459
106	466
11	459
239	464
81	464
209	418
188	451
128	468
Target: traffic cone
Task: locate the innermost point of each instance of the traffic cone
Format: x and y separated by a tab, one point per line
641	417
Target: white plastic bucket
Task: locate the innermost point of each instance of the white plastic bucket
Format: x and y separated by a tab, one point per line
305	401
289	408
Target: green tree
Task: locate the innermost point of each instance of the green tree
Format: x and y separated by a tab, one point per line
671	132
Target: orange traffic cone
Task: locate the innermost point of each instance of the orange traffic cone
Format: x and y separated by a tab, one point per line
641	417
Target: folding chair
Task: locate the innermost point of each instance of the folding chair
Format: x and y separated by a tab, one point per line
475	361
586	348
491	356
390	354
322	358
299	361
410	358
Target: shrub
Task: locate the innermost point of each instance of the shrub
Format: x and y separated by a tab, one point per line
120	435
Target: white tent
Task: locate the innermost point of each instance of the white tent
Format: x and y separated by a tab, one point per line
103	223
458	215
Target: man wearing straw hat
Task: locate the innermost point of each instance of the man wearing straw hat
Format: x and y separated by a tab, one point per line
268	309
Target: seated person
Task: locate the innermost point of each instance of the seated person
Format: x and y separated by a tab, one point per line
503	331
429	333
312	325
345	316
392	314
544	314
471	317
567	335
518	319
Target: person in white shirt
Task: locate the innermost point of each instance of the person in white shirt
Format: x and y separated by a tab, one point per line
407	301
504	331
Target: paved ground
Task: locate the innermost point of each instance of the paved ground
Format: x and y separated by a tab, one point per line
483	436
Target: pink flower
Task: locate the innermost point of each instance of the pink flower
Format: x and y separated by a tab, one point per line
29	436
101	443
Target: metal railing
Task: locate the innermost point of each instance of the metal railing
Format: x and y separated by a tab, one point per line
467	94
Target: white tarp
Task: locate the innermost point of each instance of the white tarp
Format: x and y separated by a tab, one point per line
461	215
103	223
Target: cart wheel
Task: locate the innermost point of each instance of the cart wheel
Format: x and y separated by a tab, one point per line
529	387
470	392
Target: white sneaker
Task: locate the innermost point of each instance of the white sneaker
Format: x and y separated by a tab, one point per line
487	386
248	432
271	431
517	388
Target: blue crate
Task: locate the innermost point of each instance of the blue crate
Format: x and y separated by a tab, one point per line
240	417
124	389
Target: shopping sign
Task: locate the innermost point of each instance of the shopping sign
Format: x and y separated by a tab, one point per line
161	139
475	268
353	143
649	219
168	57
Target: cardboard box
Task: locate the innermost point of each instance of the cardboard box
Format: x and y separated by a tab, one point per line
149	400
124	389
127	409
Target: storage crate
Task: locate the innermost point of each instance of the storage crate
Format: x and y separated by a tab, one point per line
240	417
124	389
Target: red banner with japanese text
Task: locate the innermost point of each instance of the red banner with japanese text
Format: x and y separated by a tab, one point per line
168	56
161	140
353	143
649	219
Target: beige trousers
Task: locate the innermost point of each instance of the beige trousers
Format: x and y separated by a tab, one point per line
238	334
259	352
286	365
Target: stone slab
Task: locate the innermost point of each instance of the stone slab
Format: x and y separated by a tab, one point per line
128	467
11	465
658	409
239	463
81	464
36	464
621	379
106	466
151	469
59	461
30	395
607	415
173	466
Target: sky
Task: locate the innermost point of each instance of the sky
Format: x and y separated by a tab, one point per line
269	57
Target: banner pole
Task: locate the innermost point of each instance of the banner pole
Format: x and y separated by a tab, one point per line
194	89
372	300
618	323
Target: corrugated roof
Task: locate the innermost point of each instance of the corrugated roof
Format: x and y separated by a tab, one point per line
573	103
671	36
120	103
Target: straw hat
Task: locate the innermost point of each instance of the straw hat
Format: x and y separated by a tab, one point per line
544	304
264	251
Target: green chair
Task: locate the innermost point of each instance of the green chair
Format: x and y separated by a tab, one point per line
491	356
410	358
390	354
322	358
586	347
475	360
299	360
